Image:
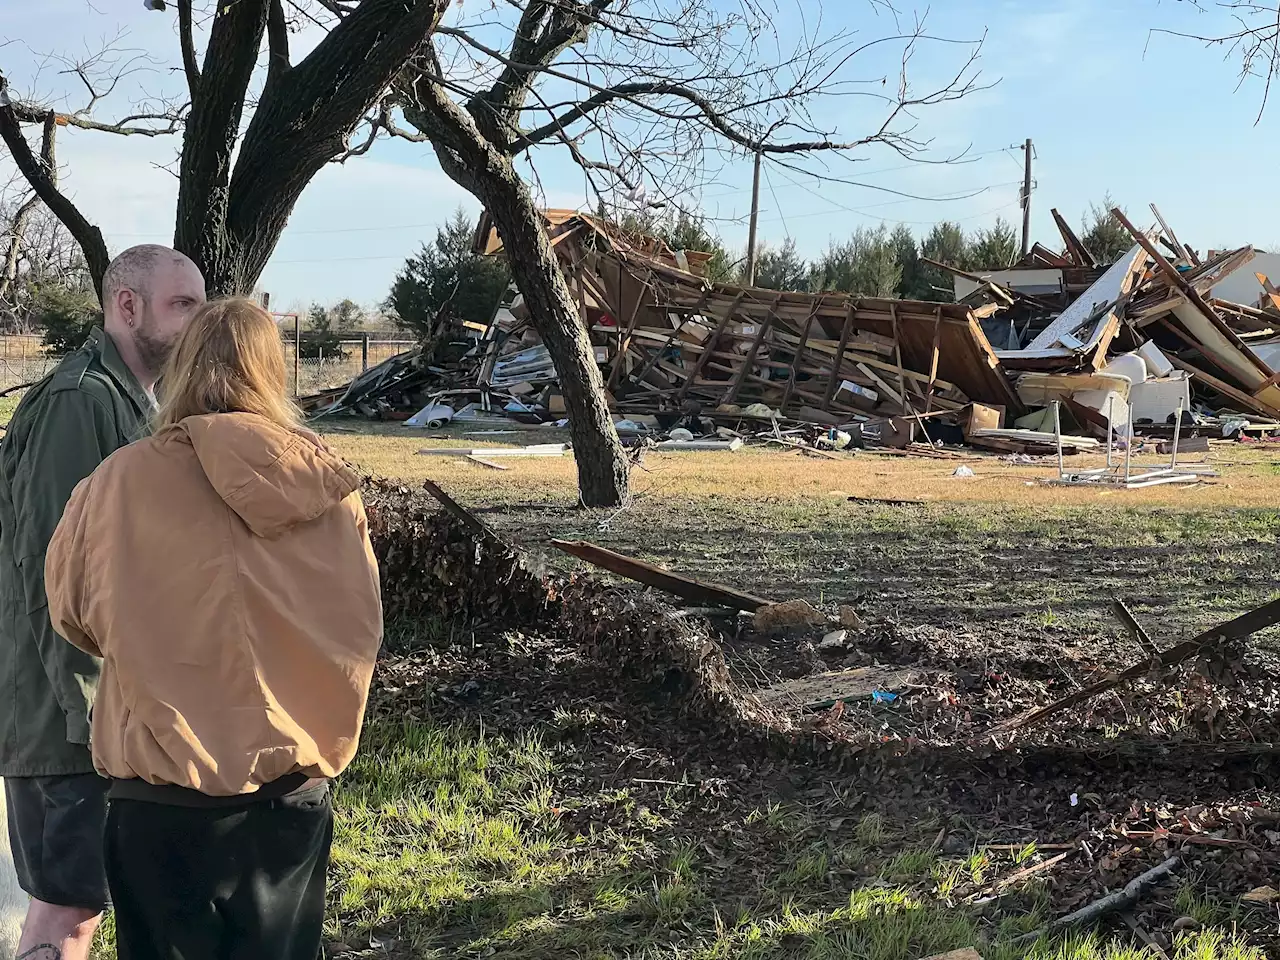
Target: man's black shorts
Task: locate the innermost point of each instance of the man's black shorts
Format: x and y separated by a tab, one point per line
56	827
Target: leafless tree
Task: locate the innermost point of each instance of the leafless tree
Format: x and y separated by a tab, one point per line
253	134
1253	39
35	248
648	98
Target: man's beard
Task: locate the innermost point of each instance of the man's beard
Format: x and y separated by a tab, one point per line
153	350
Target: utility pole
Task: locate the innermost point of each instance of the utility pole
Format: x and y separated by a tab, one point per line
1026	201
755	217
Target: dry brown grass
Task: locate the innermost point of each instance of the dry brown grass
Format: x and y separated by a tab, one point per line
1250	475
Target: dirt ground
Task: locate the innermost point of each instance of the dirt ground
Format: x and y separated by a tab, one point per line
990	597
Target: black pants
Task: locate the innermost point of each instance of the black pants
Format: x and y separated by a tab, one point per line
231	883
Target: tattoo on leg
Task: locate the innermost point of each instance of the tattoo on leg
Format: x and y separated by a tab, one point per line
45	951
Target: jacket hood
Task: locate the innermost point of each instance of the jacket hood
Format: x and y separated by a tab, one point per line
274	478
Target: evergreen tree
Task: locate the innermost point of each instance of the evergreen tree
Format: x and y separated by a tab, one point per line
995	248
781	268
1104	236
447	276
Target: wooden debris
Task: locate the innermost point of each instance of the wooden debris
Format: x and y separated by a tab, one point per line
655	576
465	516
1032	870
1268	615
1130	622
1123	899
1185	445
487	463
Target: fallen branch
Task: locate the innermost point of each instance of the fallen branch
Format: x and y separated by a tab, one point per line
1268	615
1133	891
654	576
1032	870
21	386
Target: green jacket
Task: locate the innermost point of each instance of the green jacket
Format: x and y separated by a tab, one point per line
67	424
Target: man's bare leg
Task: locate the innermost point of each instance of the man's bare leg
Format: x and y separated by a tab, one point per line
57	933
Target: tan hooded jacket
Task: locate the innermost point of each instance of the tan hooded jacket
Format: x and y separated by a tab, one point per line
222	570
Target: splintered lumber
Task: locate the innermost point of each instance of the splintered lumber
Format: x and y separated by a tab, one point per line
487	463
834	381
1247	624
458	511
1079	253
1133	891
1136	631
654	576
709	345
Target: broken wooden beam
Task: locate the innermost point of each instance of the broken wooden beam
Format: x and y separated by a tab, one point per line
458	511
654	576
1136	631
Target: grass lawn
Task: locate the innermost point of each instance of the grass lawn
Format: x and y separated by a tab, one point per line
511	801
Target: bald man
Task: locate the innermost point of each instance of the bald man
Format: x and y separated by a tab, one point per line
95	401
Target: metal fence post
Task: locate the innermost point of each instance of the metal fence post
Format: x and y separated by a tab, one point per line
364	353
297	353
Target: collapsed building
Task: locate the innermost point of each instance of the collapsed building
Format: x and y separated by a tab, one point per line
1130	346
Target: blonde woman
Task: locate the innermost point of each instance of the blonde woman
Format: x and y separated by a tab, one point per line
222	571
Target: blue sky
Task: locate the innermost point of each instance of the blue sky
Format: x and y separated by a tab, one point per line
1110	108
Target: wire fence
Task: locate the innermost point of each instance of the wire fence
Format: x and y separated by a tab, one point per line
314	374
24	360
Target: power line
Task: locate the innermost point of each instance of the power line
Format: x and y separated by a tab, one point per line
871	173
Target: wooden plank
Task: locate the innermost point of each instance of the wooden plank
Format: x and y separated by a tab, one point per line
459	512
850	354
897	355
795	362
487	463
998	445
933	365
884	388
1187	252
732	393
839	357
658	352
708	346
1189	291
659	578
625	342
1079	253
1227	390
1131	624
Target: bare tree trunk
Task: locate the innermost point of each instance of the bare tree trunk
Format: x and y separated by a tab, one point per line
475	164
602	460
233	207
17	235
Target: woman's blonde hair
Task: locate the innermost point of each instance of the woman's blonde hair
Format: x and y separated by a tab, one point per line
228	360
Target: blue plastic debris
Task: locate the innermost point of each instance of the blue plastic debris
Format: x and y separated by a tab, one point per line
883	696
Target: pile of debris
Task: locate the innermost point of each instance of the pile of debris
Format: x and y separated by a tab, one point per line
1105	351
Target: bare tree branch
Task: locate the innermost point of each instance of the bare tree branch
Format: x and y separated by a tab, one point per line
1255	41
43	178
186	39
277	42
